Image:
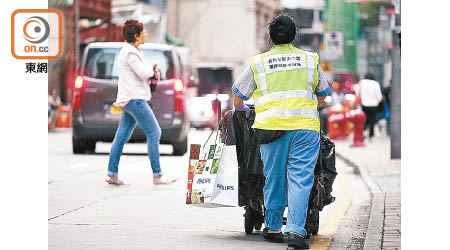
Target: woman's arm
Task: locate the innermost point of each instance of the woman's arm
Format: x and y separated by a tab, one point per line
144	71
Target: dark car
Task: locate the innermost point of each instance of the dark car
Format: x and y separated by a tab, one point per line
95	90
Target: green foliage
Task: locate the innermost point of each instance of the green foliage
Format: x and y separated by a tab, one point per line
369	14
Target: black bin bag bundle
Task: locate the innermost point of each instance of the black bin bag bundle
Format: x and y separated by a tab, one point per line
324	175
251	175
238	130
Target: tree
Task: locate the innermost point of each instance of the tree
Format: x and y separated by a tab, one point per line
369	14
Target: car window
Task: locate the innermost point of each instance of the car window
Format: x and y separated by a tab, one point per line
101	62
181	64
163	59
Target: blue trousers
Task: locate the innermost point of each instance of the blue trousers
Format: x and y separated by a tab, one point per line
289	170
136	111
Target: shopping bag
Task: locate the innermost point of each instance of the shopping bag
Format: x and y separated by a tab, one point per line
213	173
227	179
203	168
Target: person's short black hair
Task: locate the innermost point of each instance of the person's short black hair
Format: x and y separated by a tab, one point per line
130	28
282	29
370	76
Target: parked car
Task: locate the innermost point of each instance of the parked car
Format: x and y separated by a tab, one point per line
346	81
201	113
95	90
203	109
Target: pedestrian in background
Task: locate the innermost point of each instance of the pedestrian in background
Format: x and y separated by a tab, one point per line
370	99
337	96
132	96
387	106
54	101
287	85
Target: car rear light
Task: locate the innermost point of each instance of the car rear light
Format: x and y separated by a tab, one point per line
79	82
179	102
76	100
178	85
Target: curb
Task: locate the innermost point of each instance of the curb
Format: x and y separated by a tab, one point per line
363	172
374	235
59	130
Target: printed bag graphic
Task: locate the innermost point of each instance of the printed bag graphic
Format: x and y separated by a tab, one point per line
212	175
202	173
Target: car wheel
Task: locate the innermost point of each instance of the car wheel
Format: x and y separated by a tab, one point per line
78	146
180	148
90	146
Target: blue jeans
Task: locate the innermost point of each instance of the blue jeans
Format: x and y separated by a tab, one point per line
289	170
136	111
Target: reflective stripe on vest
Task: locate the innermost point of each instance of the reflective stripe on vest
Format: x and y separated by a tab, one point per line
286	78
261	73
310	70
284	95
287	113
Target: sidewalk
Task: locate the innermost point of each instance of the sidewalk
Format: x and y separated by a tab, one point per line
382	175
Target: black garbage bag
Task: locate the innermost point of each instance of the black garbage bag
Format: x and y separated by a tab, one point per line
324	175
227	129
237	128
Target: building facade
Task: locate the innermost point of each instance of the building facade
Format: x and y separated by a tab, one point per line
222	33
83	22
308	18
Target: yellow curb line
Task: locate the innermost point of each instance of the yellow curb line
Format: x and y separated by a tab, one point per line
323	239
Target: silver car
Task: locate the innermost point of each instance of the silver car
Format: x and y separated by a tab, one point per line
95	90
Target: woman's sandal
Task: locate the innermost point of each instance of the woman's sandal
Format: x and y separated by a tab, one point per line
115	181
159	181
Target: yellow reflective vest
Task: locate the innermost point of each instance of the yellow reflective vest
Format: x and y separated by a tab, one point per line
286	79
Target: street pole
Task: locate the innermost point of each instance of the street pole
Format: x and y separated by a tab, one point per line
396	93
77	36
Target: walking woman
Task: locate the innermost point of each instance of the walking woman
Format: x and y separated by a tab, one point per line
133	96
287	85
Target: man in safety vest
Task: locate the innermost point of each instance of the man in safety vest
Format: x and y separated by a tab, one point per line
287	85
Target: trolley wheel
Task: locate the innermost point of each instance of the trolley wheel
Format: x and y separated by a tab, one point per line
314	222
248	226
253	219
258	226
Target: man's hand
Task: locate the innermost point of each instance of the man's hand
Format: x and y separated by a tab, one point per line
320	99
243	107
239	105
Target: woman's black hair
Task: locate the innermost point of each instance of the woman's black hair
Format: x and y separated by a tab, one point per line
282	29
370	76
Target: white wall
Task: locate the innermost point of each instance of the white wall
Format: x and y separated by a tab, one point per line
216	31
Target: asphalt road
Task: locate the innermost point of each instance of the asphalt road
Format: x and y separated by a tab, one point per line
86	213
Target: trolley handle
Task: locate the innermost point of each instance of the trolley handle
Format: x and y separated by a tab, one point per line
219	124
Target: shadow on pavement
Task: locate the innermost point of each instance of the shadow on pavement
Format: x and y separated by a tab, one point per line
132	154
